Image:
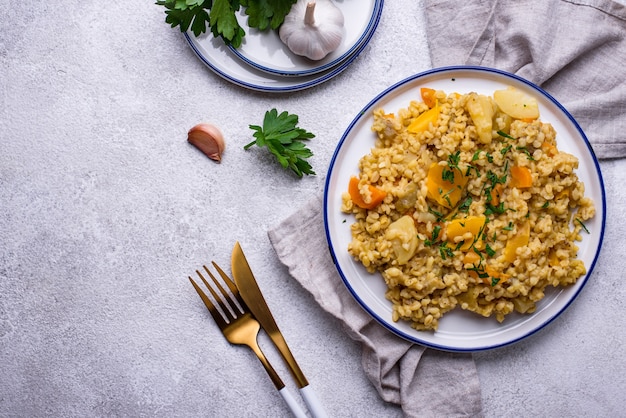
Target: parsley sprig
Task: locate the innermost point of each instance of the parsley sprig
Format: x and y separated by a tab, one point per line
284	140
219	15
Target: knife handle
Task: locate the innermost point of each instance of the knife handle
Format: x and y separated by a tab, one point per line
291	402
312	402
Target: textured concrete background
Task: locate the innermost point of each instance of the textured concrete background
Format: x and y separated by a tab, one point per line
105	210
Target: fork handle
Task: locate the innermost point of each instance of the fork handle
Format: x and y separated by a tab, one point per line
312	402
296	410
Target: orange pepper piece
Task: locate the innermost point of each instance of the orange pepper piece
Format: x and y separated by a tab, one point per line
549	149
376	195
494	274
521	177
496	193
428	96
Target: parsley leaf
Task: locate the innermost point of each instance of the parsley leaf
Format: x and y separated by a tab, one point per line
264	14
223	22
220	16
284	140
186	14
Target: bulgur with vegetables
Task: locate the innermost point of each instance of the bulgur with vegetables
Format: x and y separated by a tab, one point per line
466	201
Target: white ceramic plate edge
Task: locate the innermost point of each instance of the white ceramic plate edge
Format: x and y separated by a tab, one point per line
368	290
249	54
229	67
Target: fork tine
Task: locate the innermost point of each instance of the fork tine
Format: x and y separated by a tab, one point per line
218	299
207	302
231	285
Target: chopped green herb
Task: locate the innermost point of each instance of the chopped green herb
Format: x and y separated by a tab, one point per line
505	135
525	151
465	205
454	159
445	251
447	175
491	209
509	227
469	170
438	215
434	236
494	179
490	251
436	231
494	281
583	225
480	271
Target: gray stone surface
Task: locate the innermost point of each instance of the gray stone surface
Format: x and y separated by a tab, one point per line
105	210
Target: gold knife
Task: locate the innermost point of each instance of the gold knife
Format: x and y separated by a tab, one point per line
251	294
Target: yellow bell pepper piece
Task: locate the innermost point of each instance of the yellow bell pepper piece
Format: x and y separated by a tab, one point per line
520	239
442	191
460	227
423	121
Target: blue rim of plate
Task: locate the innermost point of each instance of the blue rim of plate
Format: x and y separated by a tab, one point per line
386	322
299	83
371	25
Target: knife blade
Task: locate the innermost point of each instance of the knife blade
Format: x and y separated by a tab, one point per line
251	294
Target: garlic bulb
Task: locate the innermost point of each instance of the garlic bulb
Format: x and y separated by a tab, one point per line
312	28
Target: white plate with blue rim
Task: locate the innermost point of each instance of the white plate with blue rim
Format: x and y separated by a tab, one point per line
458	331
265	51
221	60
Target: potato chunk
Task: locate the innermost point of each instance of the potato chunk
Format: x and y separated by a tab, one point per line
516	103
403	236
481	112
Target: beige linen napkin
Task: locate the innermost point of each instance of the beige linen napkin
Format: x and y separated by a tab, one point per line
425	382
573	49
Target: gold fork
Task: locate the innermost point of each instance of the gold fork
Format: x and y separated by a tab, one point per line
239	326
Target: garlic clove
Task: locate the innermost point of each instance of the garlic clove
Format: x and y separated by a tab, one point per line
208	139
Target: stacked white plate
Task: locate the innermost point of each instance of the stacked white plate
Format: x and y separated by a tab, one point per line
264	63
